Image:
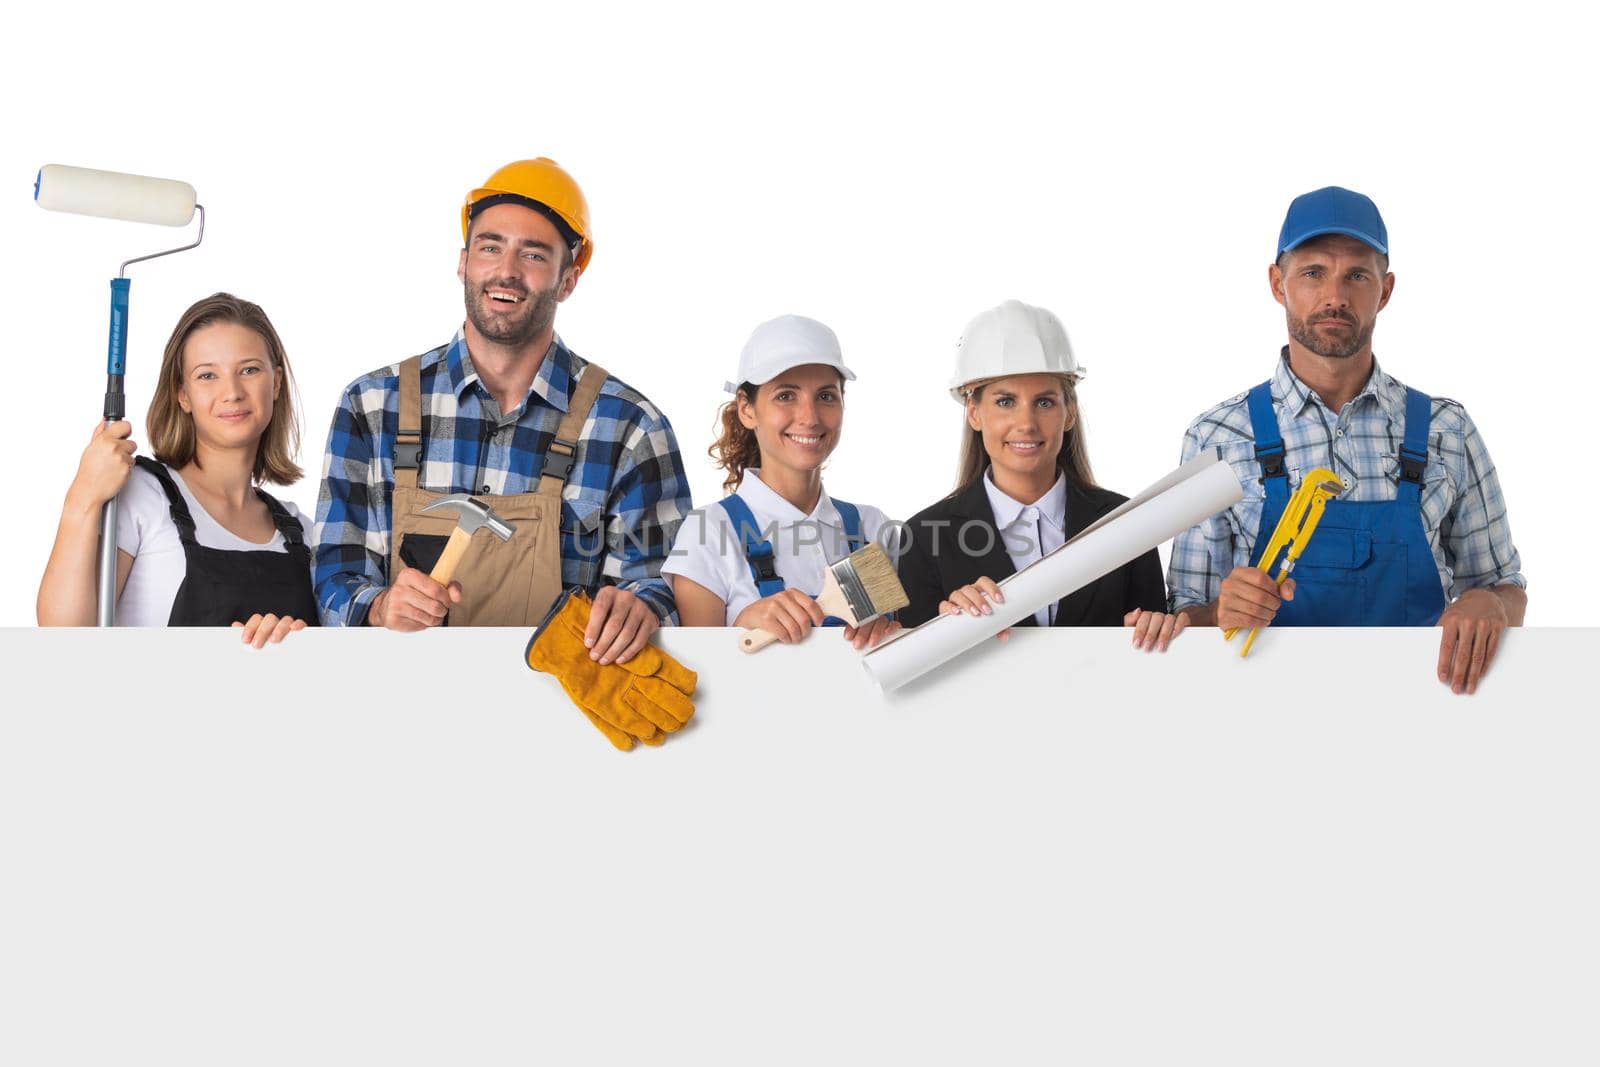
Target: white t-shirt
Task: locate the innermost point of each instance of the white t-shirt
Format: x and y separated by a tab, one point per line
708	550
146	532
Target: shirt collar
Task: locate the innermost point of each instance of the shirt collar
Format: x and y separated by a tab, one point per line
459	364
1294	394
1052	507
1287	389
769	507
553	384
1390	393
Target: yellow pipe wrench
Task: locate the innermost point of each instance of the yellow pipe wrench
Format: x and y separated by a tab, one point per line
1294	531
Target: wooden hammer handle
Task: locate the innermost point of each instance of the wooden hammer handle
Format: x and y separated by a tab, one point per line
445	569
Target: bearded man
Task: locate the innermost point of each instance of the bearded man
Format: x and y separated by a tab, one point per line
1417	535
584	469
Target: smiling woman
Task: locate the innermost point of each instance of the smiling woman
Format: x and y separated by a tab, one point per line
756	559
1024	488
199	542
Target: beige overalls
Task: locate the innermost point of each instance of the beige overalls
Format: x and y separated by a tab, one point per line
503	583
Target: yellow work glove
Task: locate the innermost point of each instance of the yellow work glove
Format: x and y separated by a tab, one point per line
641	700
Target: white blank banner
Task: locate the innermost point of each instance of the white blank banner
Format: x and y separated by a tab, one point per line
366	848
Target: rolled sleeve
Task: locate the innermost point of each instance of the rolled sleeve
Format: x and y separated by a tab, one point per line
1202	555
352	535
650	497
1476	533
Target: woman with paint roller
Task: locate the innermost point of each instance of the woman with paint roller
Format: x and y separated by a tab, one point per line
199	542
1024	489
756	559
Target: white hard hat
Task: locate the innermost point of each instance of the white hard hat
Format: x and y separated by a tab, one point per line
1014	338
784	342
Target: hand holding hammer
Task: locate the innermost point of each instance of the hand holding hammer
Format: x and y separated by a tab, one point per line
415	601
472	515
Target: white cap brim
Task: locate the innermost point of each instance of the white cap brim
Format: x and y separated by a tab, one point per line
784	343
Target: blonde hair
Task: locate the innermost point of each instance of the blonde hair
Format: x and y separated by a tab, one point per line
171	429
1072	460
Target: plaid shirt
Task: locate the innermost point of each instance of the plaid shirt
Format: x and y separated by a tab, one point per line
620	508
1463	511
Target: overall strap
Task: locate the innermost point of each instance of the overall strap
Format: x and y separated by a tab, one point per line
408	439
1269	451
757	553
850	515
1269	442
559	457
1414	448
289	526
179	510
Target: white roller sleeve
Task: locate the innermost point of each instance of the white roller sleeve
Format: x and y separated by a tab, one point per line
1192	493
107	194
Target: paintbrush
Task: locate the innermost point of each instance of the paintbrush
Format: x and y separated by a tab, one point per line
857	589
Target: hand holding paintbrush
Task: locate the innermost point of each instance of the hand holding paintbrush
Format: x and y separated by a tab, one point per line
857	589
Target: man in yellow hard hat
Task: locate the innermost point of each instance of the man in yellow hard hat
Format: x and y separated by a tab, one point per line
584	468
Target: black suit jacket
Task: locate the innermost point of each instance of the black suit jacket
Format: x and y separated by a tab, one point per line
935	560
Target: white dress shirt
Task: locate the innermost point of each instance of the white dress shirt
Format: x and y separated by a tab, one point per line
1028	531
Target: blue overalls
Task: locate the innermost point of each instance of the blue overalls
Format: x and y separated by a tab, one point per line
1368	563
758	552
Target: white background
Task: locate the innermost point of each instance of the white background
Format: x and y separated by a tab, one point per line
890	171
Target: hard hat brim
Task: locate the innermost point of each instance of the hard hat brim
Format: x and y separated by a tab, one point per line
958	392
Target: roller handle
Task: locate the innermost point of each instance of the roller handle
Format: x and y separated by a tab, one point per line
445	569
115	410
106	567
117	349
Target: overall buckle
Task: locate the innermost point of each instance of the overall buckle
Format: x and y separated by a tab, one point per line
558	464
766	567
1271	461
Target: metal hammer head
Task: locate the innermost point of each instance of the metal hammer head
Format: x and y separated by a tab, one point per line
472	513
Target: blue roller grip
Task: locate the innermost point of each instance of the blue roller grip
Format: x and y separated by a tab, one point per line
117	348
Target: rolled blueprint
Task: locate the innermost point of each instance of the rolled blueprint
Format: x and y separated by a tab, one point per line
1194	492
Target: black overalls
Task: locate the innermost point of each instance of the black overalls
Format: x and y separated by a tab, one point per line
221	587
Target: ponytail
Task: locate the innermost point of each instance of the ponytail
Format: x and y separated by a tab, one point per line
735	450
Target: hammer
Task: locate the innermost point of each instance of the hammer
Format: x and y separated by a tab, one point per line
471	516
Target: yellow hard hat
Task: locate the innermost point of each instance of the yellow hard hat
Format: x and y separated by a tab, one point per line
544	182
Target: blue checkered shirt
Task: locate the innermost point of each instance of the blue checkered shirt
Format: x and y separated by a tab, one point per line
1463	511
620	509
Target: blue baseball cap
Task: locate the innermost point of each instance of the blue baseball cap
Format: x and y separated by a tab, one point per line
1333	210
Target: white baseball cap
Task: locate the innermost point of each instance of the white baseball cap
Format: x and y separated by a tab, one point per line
784	342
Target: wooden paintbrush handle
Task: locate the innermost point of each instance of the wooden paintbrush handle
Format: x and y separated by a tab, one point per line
445	569
756	640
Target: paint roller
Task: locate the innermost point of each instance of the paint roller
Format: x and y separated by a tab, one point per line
108	194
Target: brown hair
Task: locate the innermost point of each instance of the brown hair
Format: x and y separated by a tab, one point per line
171	429
1072	460
736	449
